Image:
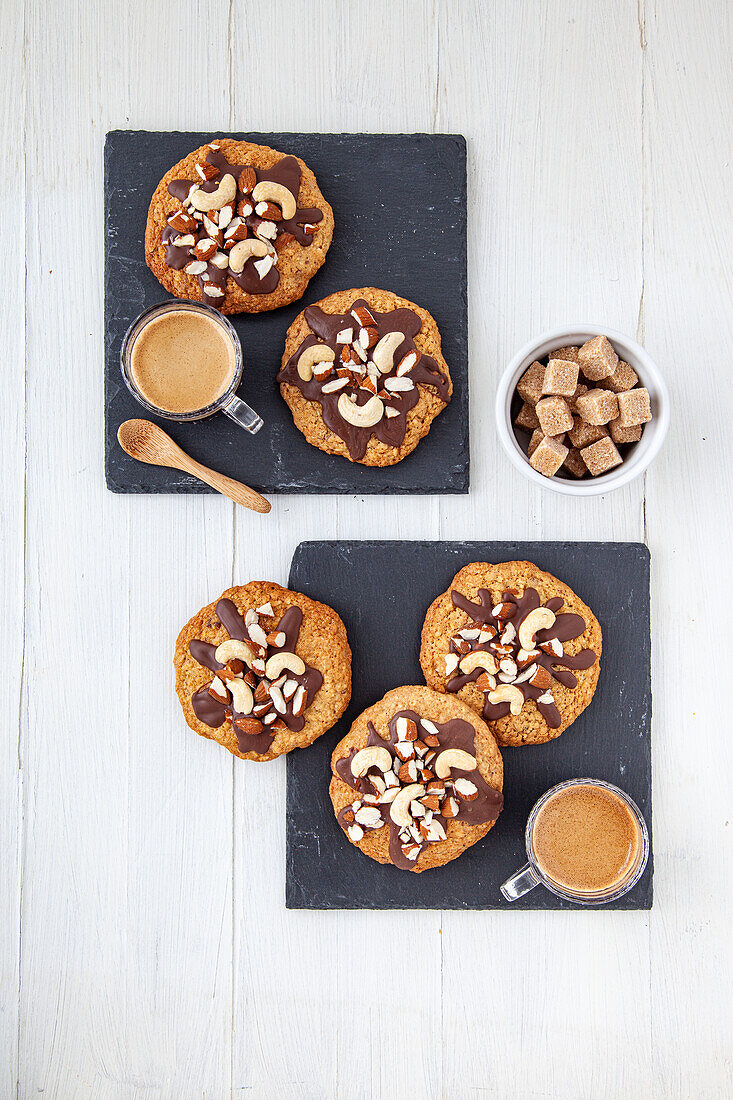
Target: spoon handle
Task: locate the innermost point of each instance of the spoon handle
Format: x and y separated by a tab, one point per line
235	490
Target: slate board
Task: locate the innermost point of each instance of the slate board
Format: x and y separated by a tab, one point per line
400	210
382	591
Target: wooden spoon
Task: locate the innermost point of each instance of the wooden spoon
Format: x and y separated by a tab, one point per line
147	442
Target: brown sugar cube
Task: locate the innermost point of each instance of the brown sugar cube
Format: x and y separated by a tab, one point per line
623	378
554	415
601	456
534	442
548	457
580	389
527	418
596	406
574	463
633	408
529	386
537	437
570	353
619	434
597	358
561	377
582	434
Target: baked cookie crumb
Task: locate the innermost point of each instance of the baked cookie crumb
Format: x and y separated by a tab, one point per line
263	670
364	375
416	780
239	226
518	645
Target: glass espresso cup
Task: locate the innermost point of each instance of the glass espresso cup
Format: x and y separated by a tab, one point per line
586	842
183	360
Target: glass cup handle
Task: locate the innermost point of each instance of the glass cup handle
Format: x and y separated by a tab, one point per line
240	412
521	882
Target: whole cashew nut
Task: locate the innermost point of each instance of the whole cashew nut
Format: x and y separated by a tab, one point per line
316	353
361	416
372	757
384	351
453	758
507	693
265	191
479	659
243	251
539	619
234	650
281	661
242	697
399	811
214	200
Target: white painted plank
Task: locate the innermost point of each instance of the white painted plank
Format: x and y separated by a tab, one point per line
550	101
12	486
688	324
351	1043
126	961
556	214
179	804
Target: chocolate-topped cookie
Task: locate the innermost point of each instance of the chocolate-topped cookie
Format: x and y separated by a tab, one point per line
241	227
417	779
518	645
263	670
364	376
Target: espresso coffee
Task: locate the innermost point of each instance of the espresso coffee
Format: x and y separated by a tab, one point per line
586	839
182	361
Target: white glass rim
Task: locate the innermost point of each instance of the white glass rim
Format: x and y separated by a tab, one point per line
173	305
596	897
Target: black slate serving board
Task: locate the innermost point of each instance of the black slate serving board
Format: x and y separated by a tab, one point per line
400	211
382	591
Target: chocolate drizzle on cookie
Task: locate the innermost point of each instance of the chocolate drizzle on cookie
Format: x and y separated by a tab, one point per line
202	242
271	703
440	790
365	378
523	655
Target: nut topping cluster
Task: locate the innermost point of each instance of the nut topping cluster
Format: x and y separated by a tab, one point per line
361	361
511	651
260	684
231	224
415	783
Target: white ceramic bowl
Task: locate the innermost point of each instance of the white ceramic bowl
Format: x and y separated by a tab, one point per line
640	454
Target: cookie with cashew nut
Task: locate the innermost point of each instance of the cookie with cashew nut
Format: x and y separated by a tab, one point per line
417	779
263	670
364	375
518	645
239	226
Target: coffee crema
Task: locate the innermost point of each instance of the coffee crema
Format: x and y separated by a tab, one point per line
586	839
182	361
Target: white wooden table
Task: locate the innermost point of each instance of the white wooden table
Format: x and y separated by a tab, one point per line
145	948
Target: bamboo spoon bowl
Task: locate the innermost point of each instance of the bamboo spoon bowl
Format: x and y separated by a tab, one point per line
146	442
